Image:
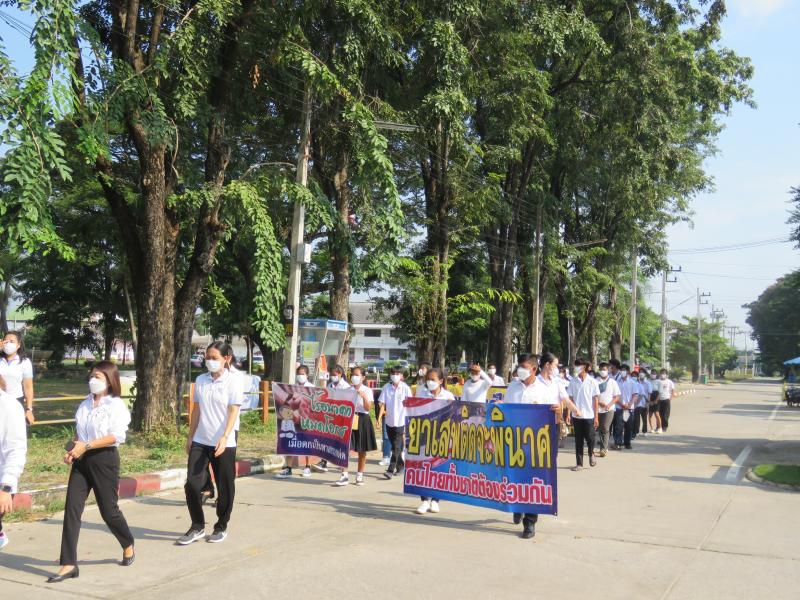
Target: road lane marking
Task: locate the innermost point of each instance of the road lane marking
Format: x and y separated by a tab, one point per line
736	467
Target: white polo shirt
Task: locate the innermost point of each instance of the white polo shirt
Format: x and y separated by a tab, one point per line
392	398
498	381
628	388
665	389
519	392
14	371
608	390
582	394
213	397
13	441
475	391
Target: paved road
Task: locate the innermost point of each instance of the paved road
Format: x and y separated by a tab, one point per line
670	519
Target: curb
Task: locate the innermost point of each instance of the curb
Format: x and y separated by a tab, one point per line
760	481
147	483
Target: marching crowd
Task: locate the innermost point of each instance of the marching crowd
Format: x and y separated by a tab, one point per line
614	401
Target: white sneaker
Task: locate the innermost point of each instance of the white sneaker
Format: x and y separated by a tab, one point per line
3	540
658	430
434	506
384	462
306	472
284	473
424	507
359	479
343	480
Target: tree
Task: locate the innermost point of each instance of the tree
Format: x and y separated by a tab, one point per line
775	319
683	345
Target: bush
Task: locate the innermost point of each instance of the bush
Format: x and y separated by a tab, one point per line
250	422
677	373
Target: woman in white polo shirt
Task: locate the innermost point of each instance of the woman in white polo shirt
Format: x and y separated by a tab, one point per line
13	448
215	418
16	373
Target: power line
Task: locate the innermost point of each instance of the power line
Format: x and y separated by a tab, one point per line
731	247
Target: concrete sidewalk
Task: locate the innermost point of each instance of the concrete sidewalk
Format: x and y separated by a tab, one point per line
664	520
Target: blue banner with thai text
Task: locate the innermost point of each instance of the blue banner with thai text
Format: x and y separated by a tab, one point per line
500	456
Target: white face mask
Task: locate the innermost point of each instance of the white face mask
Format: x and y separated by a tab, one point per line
492	370
604	374
302	379
475	377
653	376
523	374
213	366
577	371
356	379
432	385
10	348
396	378
421	372
663	376
623	374
334	378
97	385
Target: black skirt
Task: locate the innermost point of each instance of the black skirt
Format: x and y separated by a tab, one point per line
363	438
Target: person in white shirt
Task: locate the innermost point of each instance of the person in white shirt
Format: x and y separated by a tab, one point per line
478	384
640	419
531	388
585	394
218	397
101	425
497	381
623	417
666	391
16	373
434	388
614	367
337	379
362	438
652	407
13	448
393	416
607	404
301	378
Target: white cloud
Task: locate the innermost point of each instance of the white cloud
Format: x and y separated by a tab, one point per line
758	8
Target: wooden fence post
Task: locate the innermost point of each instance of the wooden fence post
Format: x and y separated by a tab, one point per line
264	401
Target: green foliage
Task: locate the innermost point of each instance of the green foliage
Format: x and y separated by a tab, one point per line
683	345
775	319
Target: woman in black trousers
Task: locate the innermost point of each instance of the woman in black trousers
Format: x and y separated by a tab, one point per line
101	423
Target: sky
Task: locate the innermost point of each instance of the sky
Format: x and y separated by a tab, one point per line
757	163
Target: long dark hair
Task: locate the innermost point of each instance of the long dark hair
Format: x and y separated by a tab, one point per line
111	371
546	359
21	350
439	374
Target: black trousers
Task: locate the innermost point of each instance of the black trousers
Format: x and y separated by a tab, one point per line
623	428
224	466
528	520
98	471
640	420
584	431
397	439
209	485
663	410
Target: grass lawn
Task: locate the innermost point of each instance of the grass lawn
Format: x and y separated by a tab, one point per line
139	454
779	473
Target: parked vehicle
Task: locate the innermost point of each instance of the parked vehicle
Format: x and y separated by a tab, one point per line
197	360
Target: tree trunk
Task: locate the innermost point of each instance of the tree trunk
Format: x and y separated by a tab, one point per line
5	298
109	330
615	341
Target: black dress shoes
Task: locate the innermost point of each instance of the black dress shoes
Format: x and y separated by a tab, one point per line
127	561
73	574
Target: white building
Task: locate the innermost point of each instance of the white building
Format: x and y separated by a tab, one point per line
373	339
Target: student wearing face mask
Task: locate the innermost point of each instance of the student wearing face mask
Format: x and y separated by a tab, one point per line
606	405
301	378
16	373
393	416
497	381
585	394
652	407
640	420
434	388
422	373
13	448
624	416
218	397
337	379
101	423
475	388
362	439
666	391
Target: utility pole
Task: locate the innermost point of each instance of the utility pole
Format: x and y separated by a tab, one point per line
634	301
716	316
664	281
538	259
291	312
700	332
